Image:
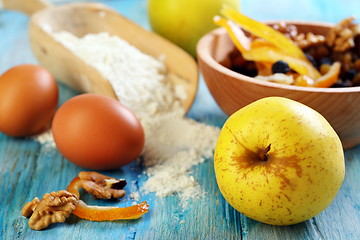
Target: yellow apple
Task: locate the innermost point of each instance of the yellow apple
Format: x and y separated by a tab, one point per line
185	21
278	161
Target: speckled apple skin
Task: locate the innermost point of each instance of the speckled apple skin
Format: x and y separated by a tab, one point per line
305	166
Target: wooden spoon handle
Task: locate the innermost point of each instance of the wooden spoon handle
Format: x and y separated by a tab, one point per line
28	6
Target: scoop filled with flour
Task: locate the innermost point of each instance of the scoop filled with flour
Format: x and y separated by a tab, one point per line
173	143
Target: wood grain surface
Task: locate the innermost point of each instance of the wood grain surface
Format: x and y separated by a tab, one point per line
28	169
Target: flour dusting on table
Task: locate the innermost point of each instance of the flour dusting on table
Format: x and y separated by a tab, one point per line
173	143
46	139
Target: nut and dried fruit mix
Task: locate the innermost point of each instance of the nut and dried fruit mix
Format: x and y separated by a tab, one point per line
56	207
282	53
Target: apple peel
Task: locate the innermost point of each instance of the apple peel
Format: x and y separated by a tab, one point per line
101	213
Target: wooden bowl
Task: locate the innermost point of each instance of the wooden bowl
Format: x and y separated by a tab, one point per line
232	91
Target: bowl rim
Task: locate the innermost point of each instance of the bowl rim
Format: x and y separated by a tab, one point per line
204	48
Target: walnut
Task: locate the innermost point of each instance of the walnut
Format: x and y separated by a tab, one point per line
102	186
54	207
305	40
30	207
288	30
341	37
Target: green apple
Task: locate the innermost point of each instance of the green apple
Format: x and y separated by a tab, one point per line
278	161
184	22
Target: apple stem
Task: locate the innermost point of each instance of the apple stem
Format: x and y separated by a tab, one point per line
263	153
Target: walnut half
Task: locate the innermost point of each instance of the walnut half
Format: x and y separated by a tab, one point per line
341	37
54	207
101	186
305	40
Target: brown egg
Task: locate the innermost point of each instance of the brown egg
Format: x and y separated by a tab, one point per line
97	132
28	100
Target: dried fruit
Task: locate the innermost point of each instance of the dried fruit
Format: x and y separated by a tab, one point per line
281	48
278	78
349	75
304	81
325	61
96	213
261	51
99	213
280	67
330	77
265	32
57	206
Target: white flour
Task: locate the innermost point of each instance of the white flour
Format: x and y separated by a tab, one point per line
46	139
173	143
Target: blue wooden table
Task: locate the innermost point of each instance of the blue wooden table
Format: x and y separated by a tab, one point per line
28	169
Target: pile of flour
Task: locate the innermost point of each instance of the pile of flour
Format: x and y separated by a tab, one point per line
173	143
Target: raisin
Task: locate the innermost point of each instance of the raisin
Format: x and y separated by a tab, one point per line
356	80
349	75
357	44
311	59
250	72
238	69
119	185
280	67
325	61
342	84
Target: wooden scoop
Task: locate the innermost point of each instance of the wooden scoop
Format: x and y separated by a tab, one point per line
83	18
